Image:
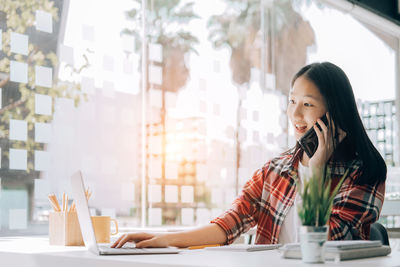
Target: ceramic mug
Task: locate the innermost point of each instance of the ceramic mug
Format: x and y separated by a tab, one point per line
102	228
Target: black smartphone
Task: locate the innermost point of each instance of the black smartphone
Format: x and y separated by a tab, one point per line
309	141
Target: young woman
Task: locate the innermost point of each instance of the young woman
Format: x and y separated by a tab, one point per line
268	199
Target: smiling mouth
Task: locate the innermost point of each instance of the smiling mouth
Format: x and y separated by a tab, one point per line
300	129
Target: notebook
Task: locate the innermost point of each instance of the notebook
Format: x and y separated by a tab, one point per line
352	244
341	250
89	237
244	247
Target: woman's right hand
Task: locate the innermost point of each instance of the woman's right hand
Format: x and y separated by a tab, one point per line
142	240
205	235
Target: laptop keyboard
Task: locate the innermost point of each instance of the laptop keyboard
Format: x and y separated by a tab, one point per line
126	246
131	249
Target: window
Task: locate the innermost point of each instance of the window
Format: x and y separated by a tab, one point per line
213	112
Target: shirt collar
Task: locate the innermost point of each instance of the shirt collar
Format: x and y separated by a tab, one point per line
334	167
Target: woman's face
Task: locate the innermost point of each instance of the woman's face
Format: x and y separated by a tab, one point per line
306	105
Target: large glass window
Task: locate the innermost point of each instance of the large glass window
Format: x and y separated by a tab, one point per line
175	146
70	101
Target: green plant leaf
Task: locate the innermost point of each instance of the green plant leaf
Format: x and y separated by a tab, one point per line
317	198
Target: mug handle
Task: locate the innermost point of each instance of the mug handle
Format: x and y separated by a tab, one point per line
116	226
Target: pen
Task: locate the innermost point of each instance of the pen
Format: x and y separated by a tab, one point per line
204	246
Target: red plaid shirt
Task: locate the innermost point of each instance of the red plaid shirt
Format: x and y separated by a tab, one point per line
267	197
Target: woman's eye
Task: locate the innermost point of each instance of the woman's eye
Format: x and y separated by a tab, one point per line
307	104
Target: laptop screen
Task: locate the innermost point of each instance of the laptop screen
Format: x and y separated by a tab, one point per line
78	190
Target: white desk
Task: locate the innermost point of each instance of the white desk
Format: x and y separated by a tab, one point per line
35	251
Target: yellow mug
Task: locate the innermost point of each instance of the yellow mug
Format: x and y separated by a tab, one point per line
102	228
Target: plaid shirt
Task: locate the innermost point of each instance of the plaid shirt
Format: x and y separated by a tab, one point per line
267	197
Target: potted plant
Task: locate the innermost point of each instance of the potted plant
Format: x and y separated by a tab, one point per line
314	211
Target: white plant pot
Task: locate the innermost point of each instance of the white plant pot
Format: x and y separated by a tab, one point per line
312	243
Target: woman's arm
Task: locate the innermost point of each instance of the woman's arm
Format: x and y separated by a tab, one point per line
354	209
238	219
206	235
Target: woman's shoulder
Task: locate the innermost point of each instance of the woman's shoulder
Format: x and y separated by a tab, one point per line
353	168
350	164
281	162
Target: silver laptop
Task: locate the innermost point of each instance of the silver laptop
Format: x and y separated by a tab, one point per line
78	190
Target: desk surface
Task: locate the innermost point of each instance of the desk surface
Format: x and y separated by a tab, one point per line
35	251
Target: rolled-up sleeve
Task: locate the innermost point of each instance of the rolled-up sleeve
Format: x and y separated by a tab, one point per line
244	212
354	209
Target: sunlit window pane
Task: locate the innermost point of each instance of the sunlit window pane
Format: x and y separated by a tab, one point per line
174	146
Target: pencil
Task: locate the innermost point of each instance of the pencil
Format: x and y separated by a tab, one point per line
57	204
66	203
63	202
88	193
54	201
72	206
203	246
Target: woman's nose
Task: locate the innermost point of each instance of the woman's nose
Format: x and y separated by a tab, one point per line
297	112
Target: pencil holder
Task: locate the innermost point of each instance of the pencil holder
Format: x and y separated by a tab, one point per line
64	229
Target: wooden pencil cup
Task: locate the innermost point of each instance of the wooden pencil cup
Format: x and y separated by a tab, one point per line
64	229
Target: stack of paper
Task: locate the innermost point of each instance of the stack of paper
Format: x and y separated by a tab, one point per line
342	250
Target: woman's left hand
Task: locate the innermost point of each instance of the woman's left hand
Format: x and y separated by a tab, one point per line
325	143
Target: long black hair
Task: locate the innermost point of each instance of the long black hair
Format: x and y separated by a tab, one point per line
336	89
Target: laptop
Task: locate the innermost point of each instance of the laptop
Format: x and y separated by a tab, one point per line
78	190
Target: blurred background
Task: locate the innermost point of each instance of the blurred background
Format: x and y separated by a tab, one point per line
168	110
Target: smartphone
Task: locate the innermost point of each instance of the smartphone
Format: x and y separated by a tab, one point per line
309	141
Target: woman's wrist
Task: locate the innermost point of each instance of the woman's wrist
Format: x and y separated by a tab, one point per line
169	239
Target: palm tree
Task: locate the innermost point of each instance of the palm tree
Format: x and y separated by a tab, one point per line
162	20
175	44
239	29
293	35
